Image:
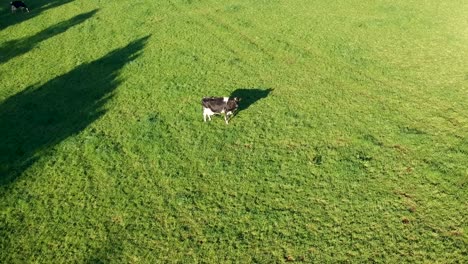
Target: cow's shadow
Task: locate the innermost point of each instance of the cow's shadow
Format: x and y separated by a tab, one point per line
250	96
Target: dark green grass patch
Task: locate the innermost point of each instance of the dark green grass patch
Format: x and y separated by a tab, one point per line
349	143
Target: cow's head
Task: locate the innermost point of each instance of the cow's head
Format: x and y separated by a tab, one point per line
232	103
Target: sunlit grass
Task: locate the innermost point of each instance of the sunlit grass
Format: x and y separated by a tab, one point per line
351	143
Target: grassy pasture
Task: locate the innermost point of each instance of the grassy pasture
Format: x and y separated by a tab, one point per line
351	143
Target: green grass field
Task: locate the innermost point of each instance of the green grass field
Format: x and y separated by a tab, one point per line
351	143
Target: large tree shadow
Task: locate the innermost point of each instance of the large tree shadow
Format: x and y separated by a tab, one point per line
249	96
17	47
36	7
40	117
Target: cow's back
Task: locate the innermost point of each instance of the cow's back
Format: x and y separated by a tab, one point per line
216	104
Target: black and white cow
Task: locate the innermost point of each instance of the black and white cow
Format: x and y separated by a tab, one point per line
18	5
219	105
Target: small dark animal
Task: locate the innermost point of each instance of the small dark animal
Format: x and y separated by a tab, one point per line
219	105
15	5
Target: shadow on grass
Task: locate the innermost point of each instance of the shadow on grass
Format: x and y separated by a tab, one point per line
38	118
18	47
250	96
36	7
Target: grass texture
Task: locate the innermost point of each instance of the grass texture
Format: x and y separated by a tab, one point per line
351	143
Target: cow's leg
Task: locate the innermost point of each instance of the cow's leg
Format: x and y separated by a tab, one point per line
227	116
205	114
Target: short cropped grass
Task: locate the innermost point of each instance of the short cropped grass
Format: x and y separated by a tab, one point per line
351	143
